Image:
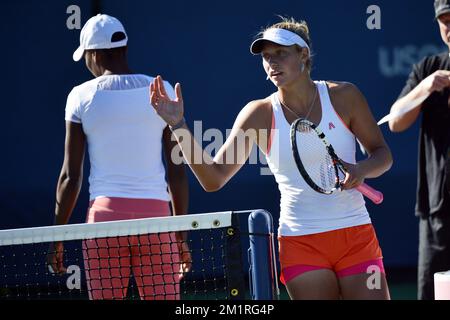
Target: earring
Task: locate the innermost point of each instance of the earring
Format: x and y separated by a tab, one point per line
302	68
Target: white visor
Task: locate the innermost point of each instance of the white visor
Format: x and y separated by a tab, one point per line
279	36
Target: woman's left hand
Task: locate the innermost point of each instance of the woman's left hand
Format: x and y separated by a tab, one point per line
171	111
354	176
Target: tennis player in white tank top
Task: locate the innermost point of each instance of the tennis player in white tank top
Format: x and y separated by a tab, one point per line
327	243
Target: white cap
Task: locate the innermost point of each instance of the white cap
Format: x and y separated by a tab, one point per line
279	36
97	34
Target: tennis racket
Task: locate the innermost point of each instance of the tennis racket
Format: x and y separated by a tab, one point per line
317	162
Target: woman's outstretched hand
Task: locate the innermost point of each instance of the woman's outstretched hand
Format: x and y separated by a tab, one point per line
172	111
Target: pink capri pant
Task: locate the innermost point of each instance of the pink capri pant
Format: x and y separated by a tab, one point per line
153	259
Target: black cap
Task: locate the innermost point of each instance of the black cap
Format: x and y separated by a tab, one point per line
441	7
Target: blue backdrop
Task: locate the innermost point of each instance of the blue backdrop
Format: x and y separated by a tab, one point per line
204	45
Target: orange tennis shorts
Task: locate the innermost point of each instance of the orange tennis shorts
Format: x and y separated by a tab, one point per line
346	251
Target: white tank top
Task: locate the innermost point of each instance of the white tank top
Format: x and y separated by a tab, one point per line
302	210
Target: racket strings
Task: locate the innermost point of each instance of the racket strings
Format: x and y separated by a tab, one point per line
316	160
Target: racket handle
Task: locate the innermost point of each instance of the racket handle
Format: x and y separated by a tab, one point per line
374	195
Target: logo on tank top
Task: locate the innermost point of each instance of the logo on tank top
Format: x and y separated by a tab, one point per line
331	126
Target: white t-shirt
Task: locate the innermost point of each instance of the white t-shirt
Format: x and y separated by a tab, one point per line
124	136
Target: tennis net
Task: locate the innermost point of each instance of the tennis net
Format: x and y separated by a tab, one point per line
198	256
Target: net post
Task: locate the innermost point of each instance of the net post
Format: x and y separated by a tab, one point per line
234	274
262	268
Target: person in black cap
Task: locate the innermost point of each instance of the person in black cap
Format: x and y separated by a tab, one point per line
427	92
